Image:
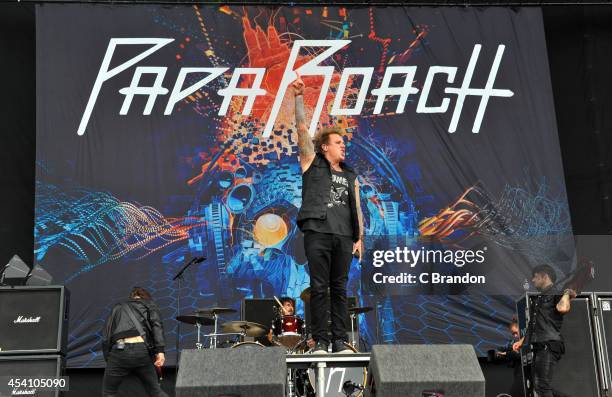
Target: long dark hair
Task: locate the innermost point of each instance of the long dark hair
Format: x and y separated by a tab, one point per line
140	293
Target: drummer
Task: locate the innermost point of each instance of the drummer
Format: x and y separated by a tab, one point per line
288	308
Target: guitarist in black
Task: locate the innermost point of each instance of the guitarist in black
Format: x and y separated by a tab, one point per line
133	342
544	329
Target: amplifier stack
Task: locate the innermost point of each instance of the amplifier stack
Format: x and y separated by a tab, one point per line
33	331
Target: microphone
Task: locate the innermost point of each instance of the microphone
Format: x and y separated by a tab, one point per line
195	260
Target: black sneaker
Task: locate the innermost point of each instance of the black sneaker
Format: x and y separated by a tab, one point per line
320	348
340	346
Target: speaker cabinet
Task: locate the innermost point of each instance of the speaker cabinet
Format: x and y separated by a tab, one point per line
35	366
33	320
258	310
425	370
247	371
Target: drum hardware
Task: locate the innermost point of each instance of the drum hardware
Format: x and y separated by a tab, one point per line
303	387
197	320
205	317
247	345
289	331
239	329
354	311
243	328
298	383
214	312
290	384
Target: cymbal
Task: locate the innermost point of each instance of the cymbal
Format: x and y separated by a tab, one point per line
305	295
359	310
195	319
216	310
249	328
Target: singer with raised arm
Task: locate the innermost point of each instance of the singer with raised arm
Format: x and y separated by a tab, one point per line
332	222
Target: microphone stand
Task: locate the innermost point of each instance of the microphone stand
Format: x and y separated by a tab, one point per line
179	276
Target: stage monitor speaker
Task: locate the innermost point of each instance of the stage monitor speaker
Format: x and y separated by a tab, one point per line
33	320
425	370
15	272
39	277
42	367
247	371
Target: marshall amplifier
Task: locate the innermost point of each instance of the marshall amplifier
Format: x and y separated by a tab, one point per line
37	367
33	320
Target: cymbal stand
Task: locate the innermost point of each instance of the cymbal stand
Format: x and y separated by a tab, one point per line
199	343
290	385
214	338
353	318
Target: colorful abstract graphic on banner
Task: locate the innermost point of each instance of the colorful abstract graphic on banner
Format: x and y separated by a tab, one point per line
168	133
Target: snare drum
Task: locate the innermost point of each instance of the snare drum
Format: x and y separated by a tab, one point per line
288	330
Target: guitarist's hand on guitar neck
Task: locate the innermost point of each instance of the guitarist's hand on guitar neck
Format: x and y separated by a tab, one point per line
582	275
568	291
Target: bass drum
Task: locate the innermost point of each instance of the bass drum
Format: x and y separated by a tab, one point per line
288	331
248	345
335	378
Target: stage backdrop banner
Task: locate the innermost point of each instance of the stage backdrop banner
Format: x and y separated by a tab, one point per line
166	133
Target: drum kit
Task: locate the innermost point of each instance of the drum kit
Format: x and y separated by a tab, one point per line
287	330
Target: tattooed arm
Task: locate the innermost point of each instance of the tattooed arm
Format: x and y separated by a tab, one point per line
358	245
564	303
305	145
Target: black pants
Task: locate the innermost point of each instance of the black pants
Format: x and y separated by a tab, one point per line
544	361
329	258
134	359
